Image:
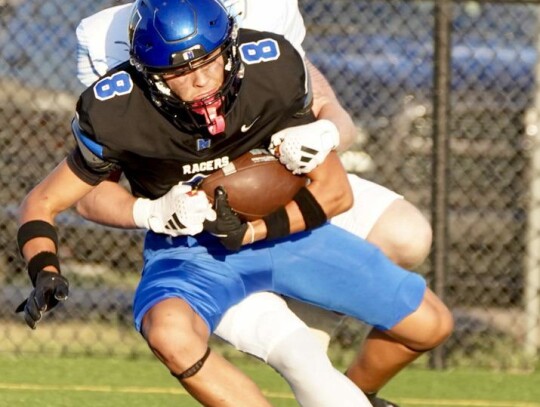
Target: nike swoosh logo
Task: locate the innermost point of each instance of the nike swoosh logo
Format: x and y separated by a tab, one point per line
245	127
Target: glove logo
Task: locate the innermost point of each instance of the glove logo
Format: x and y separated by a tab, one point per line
245	127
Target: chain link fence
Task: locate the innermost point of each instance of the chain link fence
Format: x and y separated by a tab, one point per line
379	56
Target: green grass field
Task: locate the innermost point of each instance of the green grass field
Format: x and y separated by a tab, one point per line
115	382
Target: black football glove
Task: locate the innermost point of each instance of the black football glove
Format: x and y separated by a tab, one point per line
50	289
227	226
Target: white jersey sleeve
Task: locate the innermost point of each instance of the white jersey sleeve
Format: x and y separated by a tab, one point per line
102	42
277	16
102	38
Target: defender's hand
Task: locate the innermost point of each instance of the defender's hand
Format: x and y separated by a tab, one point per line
302	148
227	226
181	211
50	289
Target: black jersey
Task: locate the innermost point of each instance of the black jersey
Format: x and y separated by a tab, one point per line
118	125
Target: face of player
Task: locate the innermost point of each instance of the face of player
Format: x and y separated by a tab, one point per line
199	83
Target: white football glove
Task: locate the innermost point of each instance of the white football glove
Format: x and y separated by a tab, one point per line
181	211
302	148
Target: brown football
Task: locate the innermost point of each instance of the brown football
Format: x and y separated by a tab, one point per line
256	184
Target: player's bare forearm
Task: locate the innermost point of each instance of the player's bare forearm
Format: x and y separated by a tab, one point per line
108	204
327	106
330	187
57	192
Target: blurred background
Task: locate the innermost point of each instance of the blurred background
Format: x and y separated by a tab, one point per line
395	65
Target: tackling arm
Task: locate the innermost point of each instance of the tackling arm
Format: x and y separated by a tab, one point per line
303	148
326	106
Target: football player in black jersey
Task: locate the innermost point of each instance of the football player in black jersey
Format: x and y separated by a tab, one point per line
196	95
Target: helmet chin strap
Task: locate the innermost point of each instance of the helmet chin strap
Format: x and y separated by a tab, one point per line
215	121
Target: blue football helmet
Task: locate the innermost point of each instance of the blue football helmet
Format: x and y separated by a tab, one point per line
177	36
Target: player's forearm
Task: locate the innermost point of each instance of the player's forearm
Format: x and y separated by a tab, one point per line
59	191
327	106
108	204
35	208
330	188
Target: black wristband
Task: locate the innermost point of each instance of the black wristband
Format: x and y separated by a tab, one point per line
36	228
39	262
311	210
277	224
